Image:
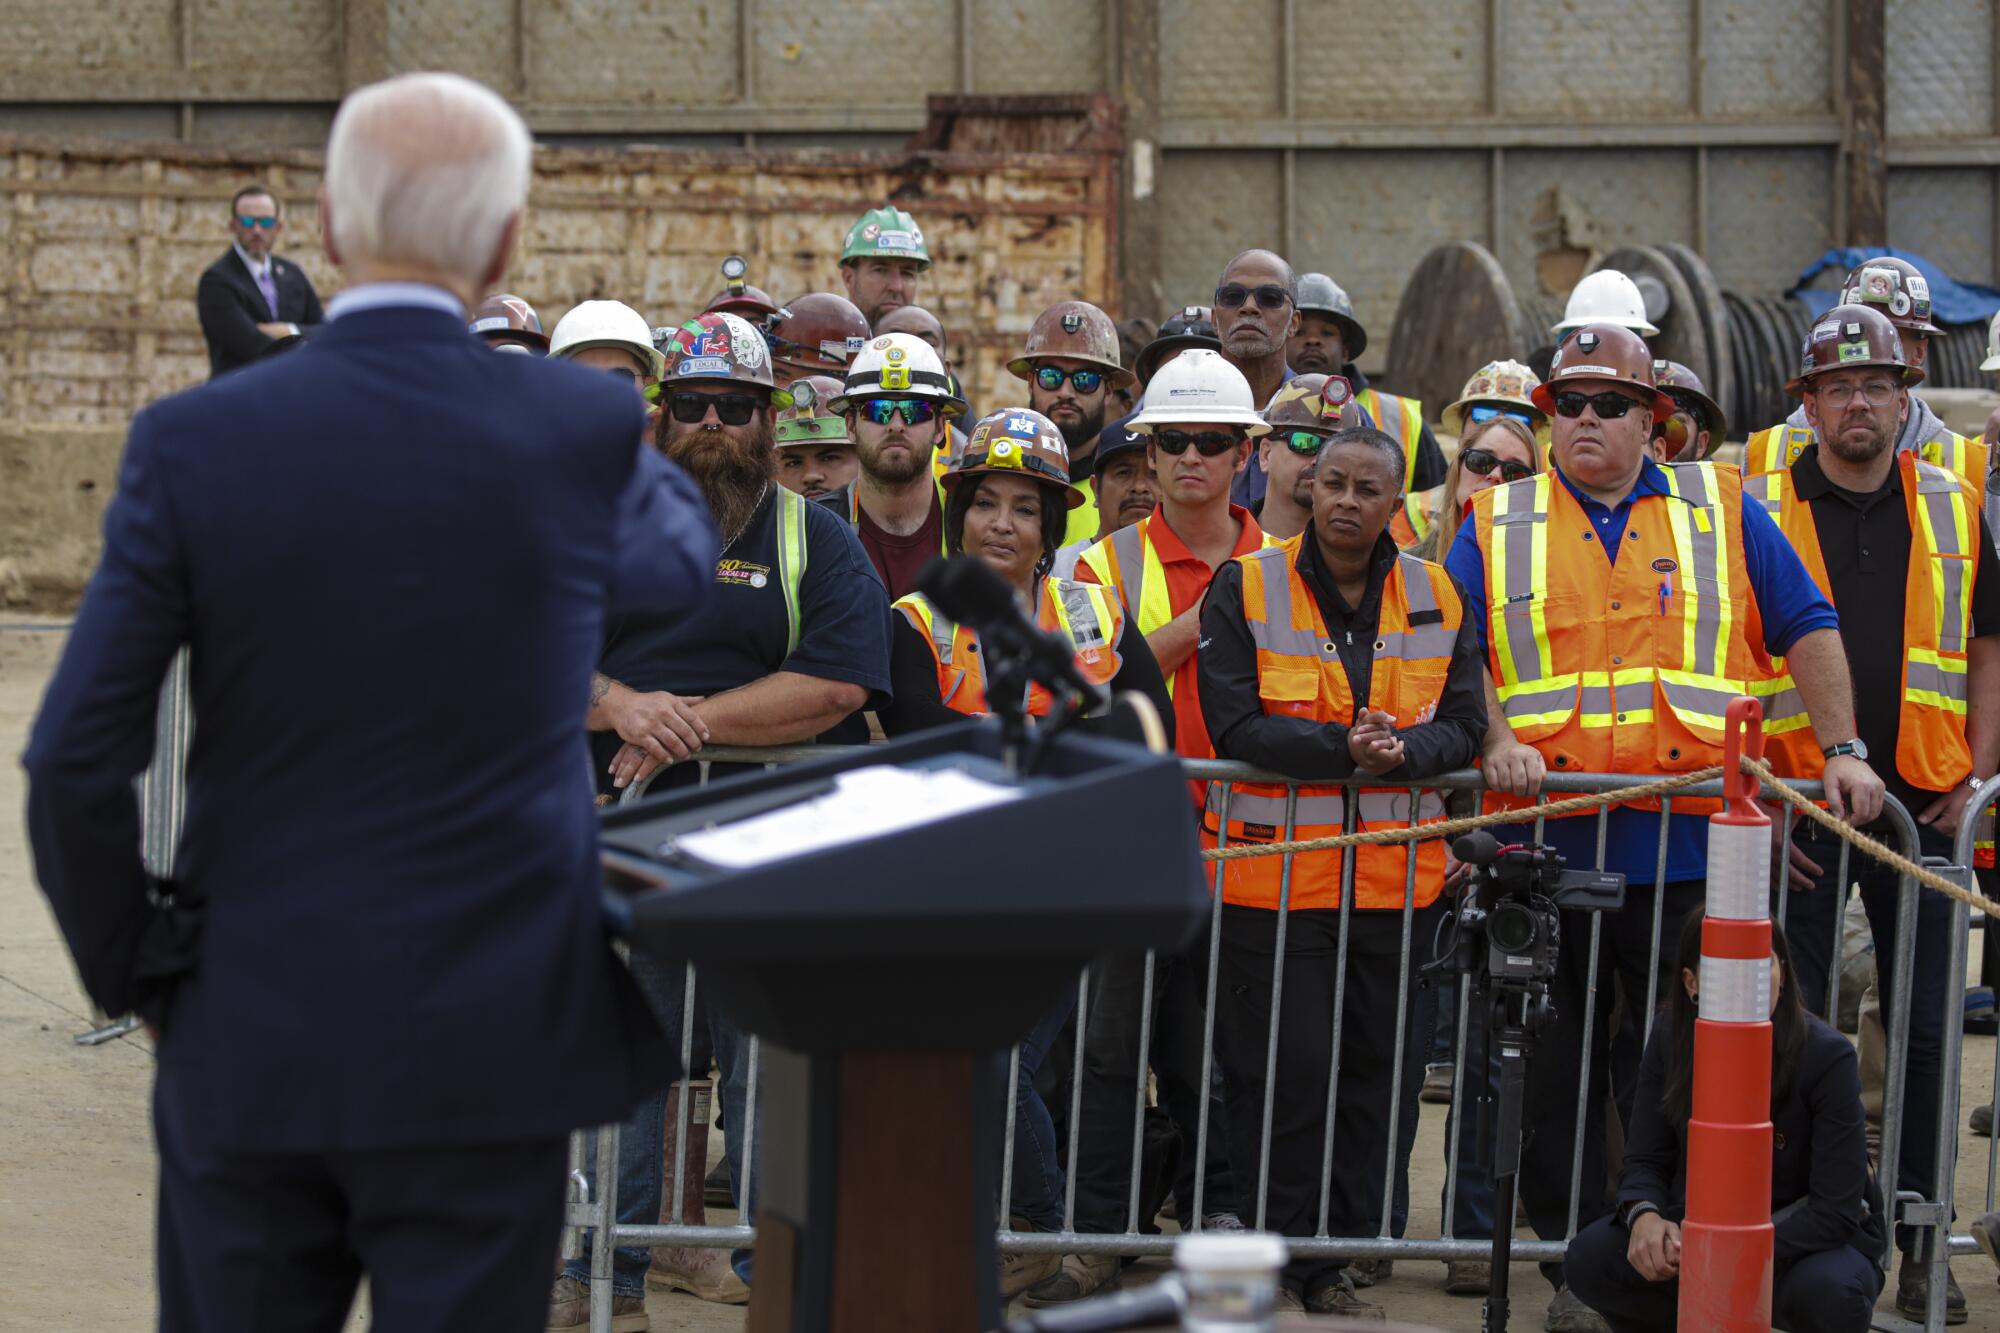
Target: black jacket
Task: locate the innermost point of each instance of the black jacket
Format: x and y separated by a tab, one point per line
1819	1150
232	306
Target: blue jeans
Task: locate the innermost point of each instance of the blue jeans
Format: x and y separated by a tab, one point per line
642	1158
1036	1192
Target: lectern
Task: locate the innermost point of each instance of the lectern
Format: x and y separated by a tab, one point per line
888	921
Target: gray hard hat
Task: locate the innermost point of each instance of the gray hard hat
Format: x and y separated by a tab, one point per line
1322	295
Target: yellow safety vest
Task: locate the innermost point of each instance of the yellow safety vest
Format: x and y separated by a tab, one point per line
792	509
1400	419
1778	447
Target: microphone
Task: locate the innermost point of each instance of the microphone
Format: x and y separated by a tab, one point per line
972	594
1477	848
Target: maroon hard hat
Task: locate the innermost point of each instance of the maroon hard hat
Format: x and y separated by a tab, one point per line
1852	337
504	318
818	333
1610	353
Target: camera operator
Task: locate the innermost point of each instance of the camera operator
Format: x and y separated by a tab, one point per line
1324	657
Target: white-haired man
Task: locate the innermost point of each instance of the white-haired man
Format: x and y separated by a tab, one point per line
378	983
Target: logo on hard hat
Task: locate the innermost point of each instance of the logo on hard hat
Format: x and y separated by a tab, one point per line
1586	342
1878	285
1854	351
893	355
1336	390
749	348
1072	322
1022	426
701	365
871	231
882	342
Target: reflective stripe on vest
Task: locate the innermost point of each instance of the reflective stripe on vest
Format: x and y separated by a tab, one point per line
1132	567
1778	447
1401	419
791	559
1088	616
1931	748
1300	674
1411	522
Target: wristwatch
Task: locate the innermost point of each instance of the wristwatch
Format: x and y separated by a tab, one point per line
1856	747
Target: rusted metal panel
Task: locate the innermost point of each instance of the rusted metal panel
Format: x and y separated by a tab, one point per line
1771	212
632	52
1939	67
101	247
1430	62
476	38
1036	46
1215	204
109	50
1597	62
881	52
1768	57
1946	215
266	50
1220	60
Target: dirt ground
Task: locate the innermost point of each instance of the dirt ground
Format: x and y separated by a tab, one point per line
76	1155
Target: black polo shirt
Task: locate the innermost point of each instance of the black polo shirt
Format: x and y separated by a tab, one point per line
1865	542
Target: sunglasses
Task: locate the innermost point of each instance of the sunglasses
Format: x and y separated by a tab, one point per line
1232	295
883	411
1084	381
1305	442
1486	412
731	409
1208	443
262	224
1608	406
1483	463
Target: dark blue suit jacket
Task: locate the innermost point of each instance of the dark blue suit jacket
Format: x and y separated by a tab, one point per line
392	553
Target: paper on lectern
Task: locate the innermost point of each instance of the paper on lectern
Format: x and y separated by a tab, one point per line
865	803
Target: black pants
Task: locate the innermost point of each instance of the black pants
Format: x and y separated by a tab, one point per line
1111	1074
1556	1069
1831	1291
1367	1060
1812	918
459	1238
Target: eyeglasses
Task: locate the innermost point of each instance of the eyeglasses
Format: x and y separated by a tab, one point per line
1481	412
1483	462
1232	295
1083	381
1608	406
1208	443
1305	442
262	224
883	411
629	376
1876	393
731	409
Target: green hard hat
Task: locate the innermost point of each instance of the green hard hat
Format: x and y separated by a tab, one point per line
886	233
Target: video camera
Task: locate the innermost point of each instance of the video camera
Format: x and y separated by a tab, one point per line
1507	926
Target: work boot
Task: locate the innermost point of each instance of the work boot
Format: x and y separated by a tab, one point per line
1568	1314
569	1309
1981	1120
1018	1272
1289	1299
1337	1298
1913	1285
1467	1277
1437	1085
1081	1275
700	1272
715	1188
1367	1272
1986	1230
706	1273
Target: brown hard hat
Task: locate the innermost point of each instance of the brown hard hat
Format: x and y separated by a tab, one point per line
508	317
1608	353
1897	288
753	303
717	345
810	419
1852	337
1324	403
1075	331
1018	441
820	331
1690	395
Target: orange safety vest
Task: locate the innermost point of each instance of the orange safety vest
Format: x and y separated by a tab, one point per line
1299	674
1931	748
1624	668
1088	616
1411	522
1401	419
1778	447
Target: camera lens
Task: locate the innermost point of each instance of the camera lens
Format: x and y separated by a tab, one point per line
1511	928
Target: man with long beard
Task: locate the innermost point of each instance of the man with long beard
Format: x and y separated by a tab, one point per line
1071	364
792	642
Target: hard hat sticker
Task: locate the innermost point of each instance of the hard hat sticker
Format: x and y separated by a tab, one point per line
1022	426
1072	322
702	365
896	240
1853	351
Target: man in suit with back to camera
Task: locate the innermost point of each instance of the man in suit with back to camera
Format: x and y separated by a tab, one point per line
250	298
378	981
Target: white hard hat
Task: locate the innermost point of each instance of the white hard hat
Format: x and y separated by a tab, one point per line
607	324
1198	386
901	364
1992	361
1606	297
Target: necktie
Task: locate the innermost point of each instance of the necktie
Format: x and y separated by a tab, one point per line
268	283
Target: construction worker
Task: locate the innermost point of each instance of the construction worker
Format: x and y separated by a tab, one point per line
1895	289
896	400
793	640
815	334
1126	490
920	323
1329	341
509	324
1698	426
1605	297
1070	361
1198	419
738	297
1622	605
1896	544
815	447
609	336
882	261
1991	435
1327	656
1302	414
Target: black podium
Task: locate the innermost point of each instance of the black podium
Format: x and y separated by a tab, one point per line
884	974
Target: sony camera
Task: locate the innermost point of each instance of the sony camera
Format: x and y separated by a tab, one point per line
1507	924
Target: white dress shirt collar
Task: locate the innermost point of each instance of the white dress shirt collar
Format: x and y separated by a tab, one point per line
377	295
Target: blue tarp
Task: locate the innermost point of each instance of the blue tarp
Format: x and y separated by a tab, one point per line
1952	302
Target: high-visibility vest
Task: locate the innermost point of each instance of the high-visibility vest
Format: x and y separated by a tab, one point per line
1411	522
1088	616
1778	447
1624	668
1399	418
791	516
1931	748
1299	674
1083	519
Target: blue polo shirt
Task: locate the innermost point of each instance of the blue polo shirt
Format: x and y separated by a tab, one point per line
1790	604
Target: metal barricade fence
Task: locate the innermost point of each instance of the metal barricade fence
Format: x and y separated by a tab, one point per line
593	1201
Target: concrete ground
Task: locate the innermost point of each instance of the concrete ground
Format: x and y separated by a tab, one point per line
76	1160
